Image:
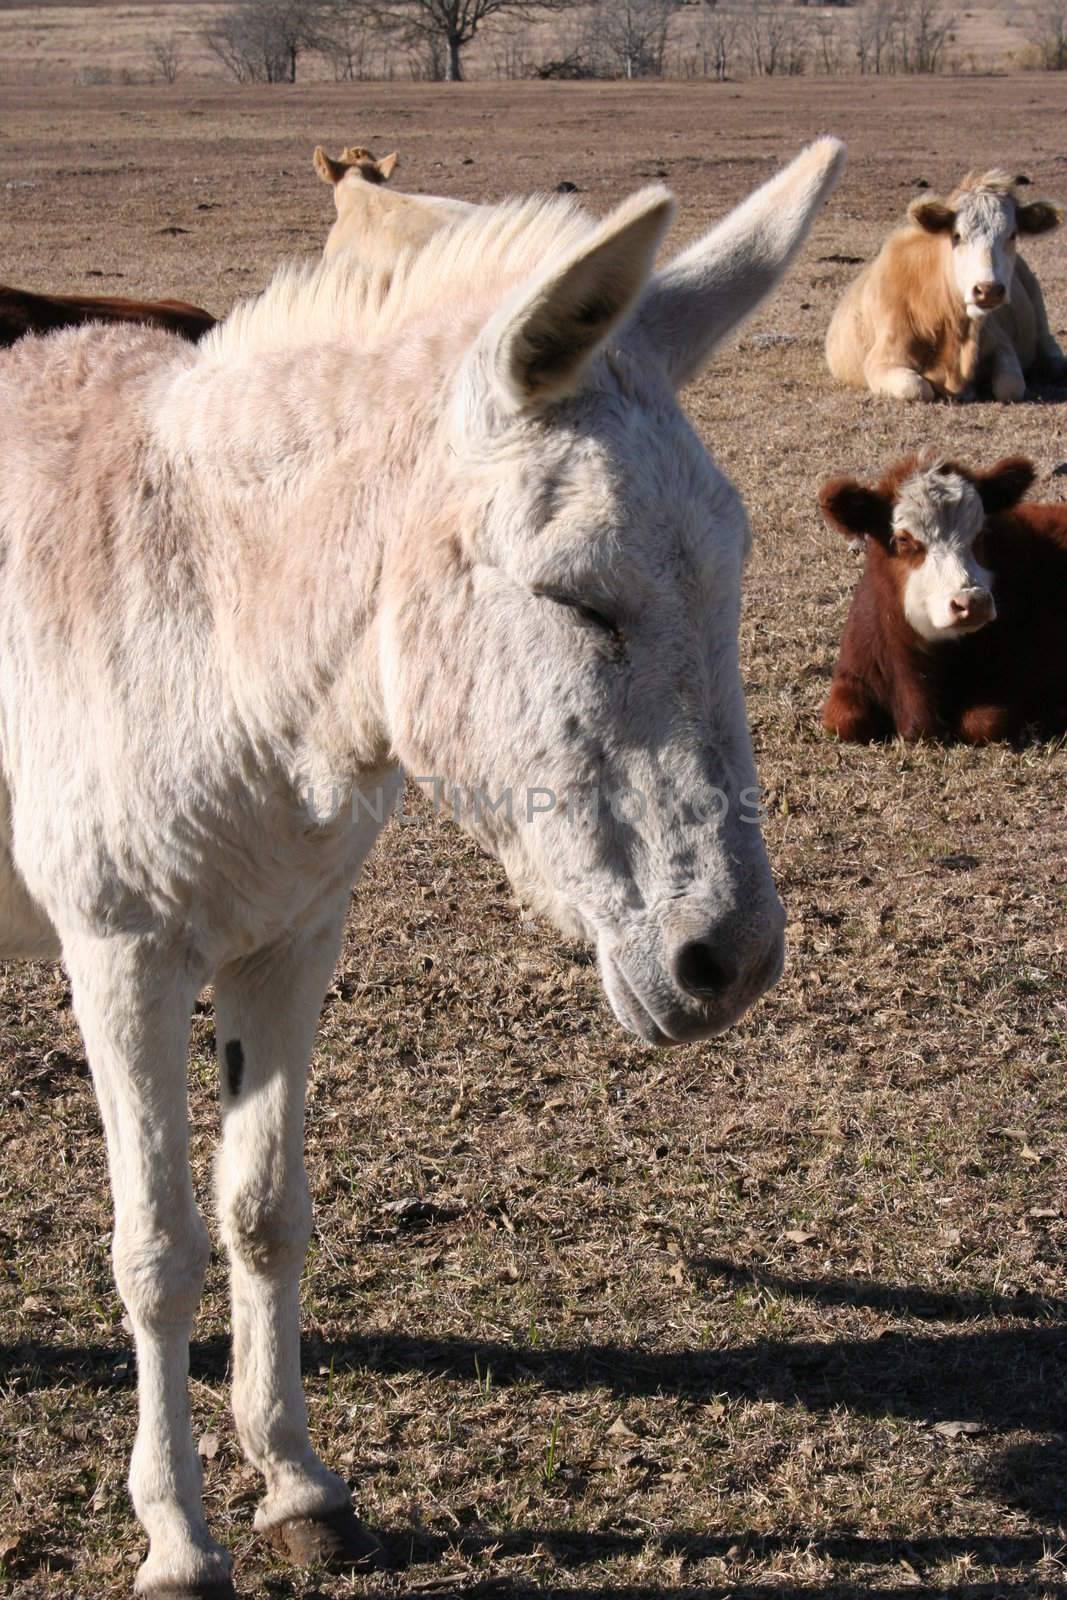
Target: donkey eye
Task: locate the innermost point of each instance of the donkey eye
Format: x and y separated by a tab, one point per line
595	618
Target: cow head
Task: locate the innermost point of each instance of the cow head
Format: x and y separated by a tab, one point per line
363	163
980	223
923	525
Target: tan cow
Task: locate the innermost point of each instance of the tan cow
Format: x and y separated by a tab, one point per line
948	305
378	221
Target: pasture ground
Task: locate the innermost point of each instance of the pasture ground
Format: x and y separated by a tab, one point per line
782	1315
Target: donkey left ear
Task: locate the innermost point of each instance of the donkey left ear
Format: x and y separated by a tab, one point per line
1038	216
1004	485
539	344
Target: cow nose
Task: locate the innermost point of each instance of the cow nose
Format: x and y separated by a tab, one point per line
971	605
702	970
989	294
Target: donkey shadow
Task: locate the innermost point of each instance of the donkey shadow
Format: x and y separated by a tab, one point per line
1005	1379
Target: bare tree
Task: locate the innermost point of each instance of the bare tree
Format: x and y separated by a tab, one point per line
776	40
1045	27
829	37
448	25
717	36
164	52
926	28
873	33
346	38
260	41
633	33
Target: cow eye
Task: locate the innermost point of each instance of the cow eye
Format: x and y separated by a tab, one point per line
956	237
904	545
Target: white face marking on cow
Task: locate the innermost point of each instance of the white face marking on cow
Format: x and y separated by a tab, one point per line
983	250
948	593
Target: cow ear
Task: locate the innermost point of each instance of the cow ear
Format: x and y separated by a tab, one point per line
1038	216
855	510
387	164
329	170
933	215
1004	485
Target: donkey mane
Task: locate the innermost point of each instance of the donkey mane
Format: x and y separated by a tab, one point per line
342	298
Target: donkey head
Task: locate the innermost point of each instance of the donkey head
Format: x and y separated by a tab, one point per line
578	613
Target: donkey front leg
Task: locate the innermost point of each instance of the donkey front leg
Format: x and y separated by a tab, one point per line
267	1008
133	1004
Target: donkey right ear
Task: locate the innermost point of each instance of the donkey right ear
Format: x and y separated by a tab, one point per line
696	301
538	345
855	510
329	170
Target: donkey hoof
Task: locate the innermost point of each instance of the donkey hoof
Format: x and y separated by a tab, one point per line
338	1539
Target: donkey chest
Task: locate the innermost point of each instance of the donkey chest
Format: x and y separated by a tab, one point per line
234	864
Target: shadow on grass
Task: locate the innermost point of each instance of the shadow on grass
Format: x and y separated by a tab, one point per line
1002	1379
510	1589
904	1299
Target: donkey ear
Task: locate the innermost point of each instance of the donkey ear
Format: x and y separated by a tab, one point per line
855	510
933	215
1038	216
387	165
1004	485
704	294
329	170
540	342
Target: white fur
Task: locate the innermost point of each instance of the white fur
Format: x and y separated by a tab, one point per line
986	231
243	586
943	512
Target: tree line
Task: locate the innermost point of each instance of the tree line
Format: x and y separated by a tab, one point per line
265	41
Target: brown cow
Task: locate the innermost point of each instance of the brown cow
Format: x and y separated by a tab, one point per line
22	312
947	305
958	626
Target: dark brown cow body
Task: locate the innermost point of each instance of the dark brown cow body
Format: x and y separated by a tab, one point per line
983	680
22	312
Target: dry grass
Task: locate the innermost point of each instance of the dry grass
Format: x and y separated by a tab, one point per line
583	1319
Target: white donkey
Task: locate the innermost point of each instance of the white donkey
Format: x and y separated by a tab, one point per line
448	519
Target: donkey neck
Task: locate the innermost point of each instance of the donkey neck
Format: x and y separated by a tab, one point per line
302	487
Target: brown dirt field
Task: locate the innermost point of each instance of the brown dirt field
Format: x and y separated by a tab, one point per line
664	1325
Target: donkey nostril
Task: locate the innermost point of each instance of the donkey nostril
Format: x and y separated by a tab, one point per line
701	972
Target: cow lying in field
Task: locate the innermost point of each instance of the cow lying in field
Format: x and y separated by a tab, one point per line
23	312
378	221
948	305
958	626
